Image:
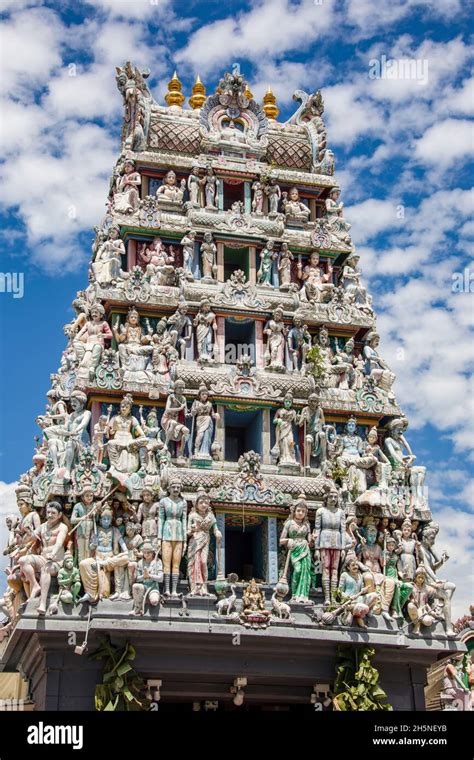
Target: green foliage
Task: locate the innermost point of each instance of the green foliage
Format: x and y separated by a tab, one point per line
338	473
315	360
121	687
357	682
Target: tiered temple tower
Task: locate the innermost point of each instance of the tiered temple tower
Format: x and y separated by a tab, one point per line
222	432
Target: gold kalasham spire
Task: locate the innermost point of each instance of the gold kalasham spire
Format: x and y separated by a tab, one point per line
198	98
174	96
269	104
248	93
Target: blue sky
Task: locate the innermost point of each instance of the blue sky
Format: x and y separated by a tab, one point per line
403	151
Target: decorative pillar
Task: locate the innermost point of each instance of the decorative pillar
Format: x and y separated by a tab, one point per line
221	338
220	261
145	185
272	548
220	195
220	428
247	197
95	414
259	347
266	436
312	208
220	519
131	254
253	264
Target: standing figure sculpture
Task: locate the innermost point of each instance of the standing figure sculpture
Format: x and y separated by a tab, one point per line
432	563
126	197
284	421
276	331
317	285
188	254
204	418
208	257
258	196
272	190
285	259
329	541
296	537
147	516
86	525
201	525
107	264
267	257
210	183
375	367
172	529
299	343
315	442
149	575
194	187
179	327
174	416
65	442
205	324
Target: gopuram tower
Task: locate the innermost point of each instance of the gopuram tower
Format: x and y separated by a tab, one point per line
222	478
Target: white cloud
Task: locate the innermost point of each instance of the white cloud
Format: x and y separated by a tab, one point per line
445	142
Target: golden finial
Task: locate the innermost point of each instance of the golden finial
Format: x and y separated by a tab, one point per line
174	96
248	92
269	104
198	98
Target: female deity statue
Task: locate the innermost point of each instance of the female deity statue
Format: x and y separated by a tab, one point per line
173	419
188	253
276	331
206	332
395	592
350	280
149	575
371	553
204	418
126	440
284	421
133	347
172	531
375	367
86	526
337	226
208	256
272	190
194	186
152	430
210	183
147	516
293	208
354	458
108	552
258	196
107	263
126	197
296	536
317	286
406	550
285	259
89	342
267	257
201	525
383	467
169	190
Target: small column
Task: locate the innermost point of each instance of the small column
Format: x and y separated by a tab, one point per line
145	185
247	197
312	208
131	254
221	338
266	437
95	414
220	261
259	346
272	538
253	264
220	519
220	195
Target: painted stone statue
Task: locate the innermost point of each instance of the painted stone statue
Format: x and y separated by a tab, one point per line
312	420
65	442
88	344
201	525
329	542
174	417
285	421
208	257
299	343
126	196
205	325
172	535
169	190
108	552
125	442
267	257
149	575
204	419
86	526
296	537
107	264
317	285
276	332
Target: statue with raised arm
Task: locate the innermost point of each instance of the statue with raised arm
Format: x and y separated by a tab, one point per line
179	327
172	535
432	563
66	442
174	417
107	264
88	344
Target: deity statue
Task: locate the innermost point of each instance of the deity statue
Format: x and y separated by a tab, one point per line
125	576
267	257
294	209
66	442
370	552
169	190
133	345
69	581
201	525
125	442
432	563
360	599
382	468
86	526
108	552
395	592
284	421
285	258
354	458
337	226
350	280
188	253
52	536
375	367
272	190
208	256
296	536
147	516
253	613
205	324
329	541
204	418
276	331
126	196
155	445
180	329
395	444
317	286
159	265
419	607
194	187
172	532
107	264
100	436
299	343
89	342
174	416
258	189
315	441
407	552
210	184
149	575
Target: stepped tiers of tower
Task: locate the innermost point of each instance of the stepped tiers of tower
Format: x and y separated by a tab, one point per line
221	414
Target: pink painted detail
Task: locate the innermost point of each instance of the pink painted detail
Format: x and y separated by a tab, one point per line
131	254
259	346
